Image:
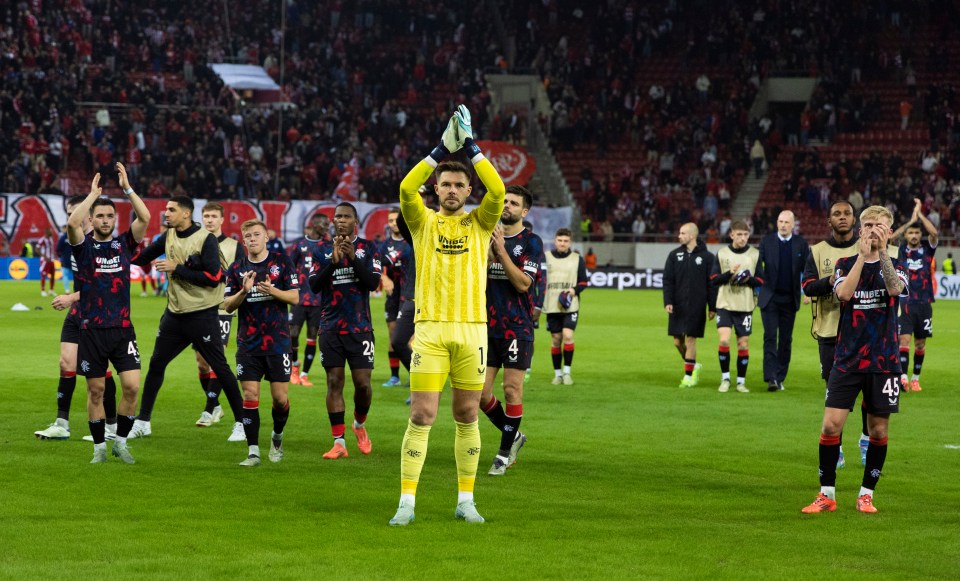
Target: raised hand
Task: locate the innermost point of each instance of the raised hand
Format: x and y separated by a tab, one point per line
248	280
336	256
883	235
450	137
95	185
497	242
265	286
347	250
464	123
122	176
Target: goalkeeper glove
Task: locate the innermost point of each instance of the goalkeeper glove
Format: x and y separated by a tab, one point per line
464	126
465	132
450	137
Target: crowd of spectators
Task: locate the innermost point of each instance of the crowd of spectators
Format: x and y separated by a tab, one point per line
361	77
374	81
594	62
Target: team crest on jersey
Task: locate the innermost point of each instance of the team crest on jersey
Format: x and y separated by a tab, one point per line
699	261
361	252
466	222
115	245
274	271
517	250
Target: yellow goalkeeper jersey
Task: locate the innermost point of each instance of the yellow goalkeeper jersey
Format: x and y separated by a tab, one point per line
451	251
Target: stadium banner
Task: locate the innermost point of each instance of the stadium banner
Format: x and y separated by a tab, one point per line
513	163
15	268
948	287
24	217
626	278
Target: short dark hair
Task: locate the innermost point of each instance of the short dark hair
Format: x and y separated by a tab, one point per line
739	225
452	166
76	200
185	202
523	193
393	210
914	226
351	206
842	202
212	207
102	202
563	232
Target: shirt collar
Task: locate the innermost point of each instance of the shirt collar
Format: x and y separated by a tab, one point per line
782	239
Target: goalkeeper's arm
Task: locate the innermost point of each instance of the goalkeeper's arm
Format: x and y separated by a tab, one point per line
411	204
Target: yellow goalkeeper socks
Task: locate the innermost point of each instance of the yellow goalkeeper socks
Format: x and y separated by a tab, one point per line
466	448
412	454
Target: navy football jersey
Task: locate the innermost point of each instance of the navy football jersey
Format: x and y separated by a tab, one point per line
408	289
103	273
508	310
262	327
70	260
867	339
540	283
344	298
396	254
918	264
301	255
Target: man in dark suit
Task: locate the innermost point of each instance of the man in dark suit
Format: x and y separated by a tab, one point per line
782	258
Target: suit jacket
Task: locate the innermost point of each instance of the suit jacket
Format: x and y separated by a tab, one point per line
768	267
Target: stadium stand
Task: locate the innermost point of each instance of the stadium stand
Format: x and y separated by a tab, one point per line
651	104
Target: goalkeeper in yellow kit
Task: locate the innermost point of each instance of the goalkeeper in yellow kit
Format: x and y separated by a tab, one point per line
450	246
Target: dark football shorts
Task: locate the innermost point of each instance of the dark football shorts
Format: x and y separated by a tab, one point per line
300	314
557	322
881	391
391	307
70	331
917	320
272	367
336	350
509	353
741	322
690	324
404	330
828	348
226	323
100	347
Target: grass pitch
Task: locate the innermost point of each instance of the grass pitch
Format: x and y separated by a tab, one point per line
624	475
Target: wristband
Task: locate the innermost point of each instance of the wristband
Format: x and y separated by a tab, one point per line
127	191
439	153
472	149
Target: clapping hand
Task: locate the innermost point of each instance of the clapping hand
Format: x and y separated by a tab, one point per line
248	280
266	287
95	185
497	245
122	177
